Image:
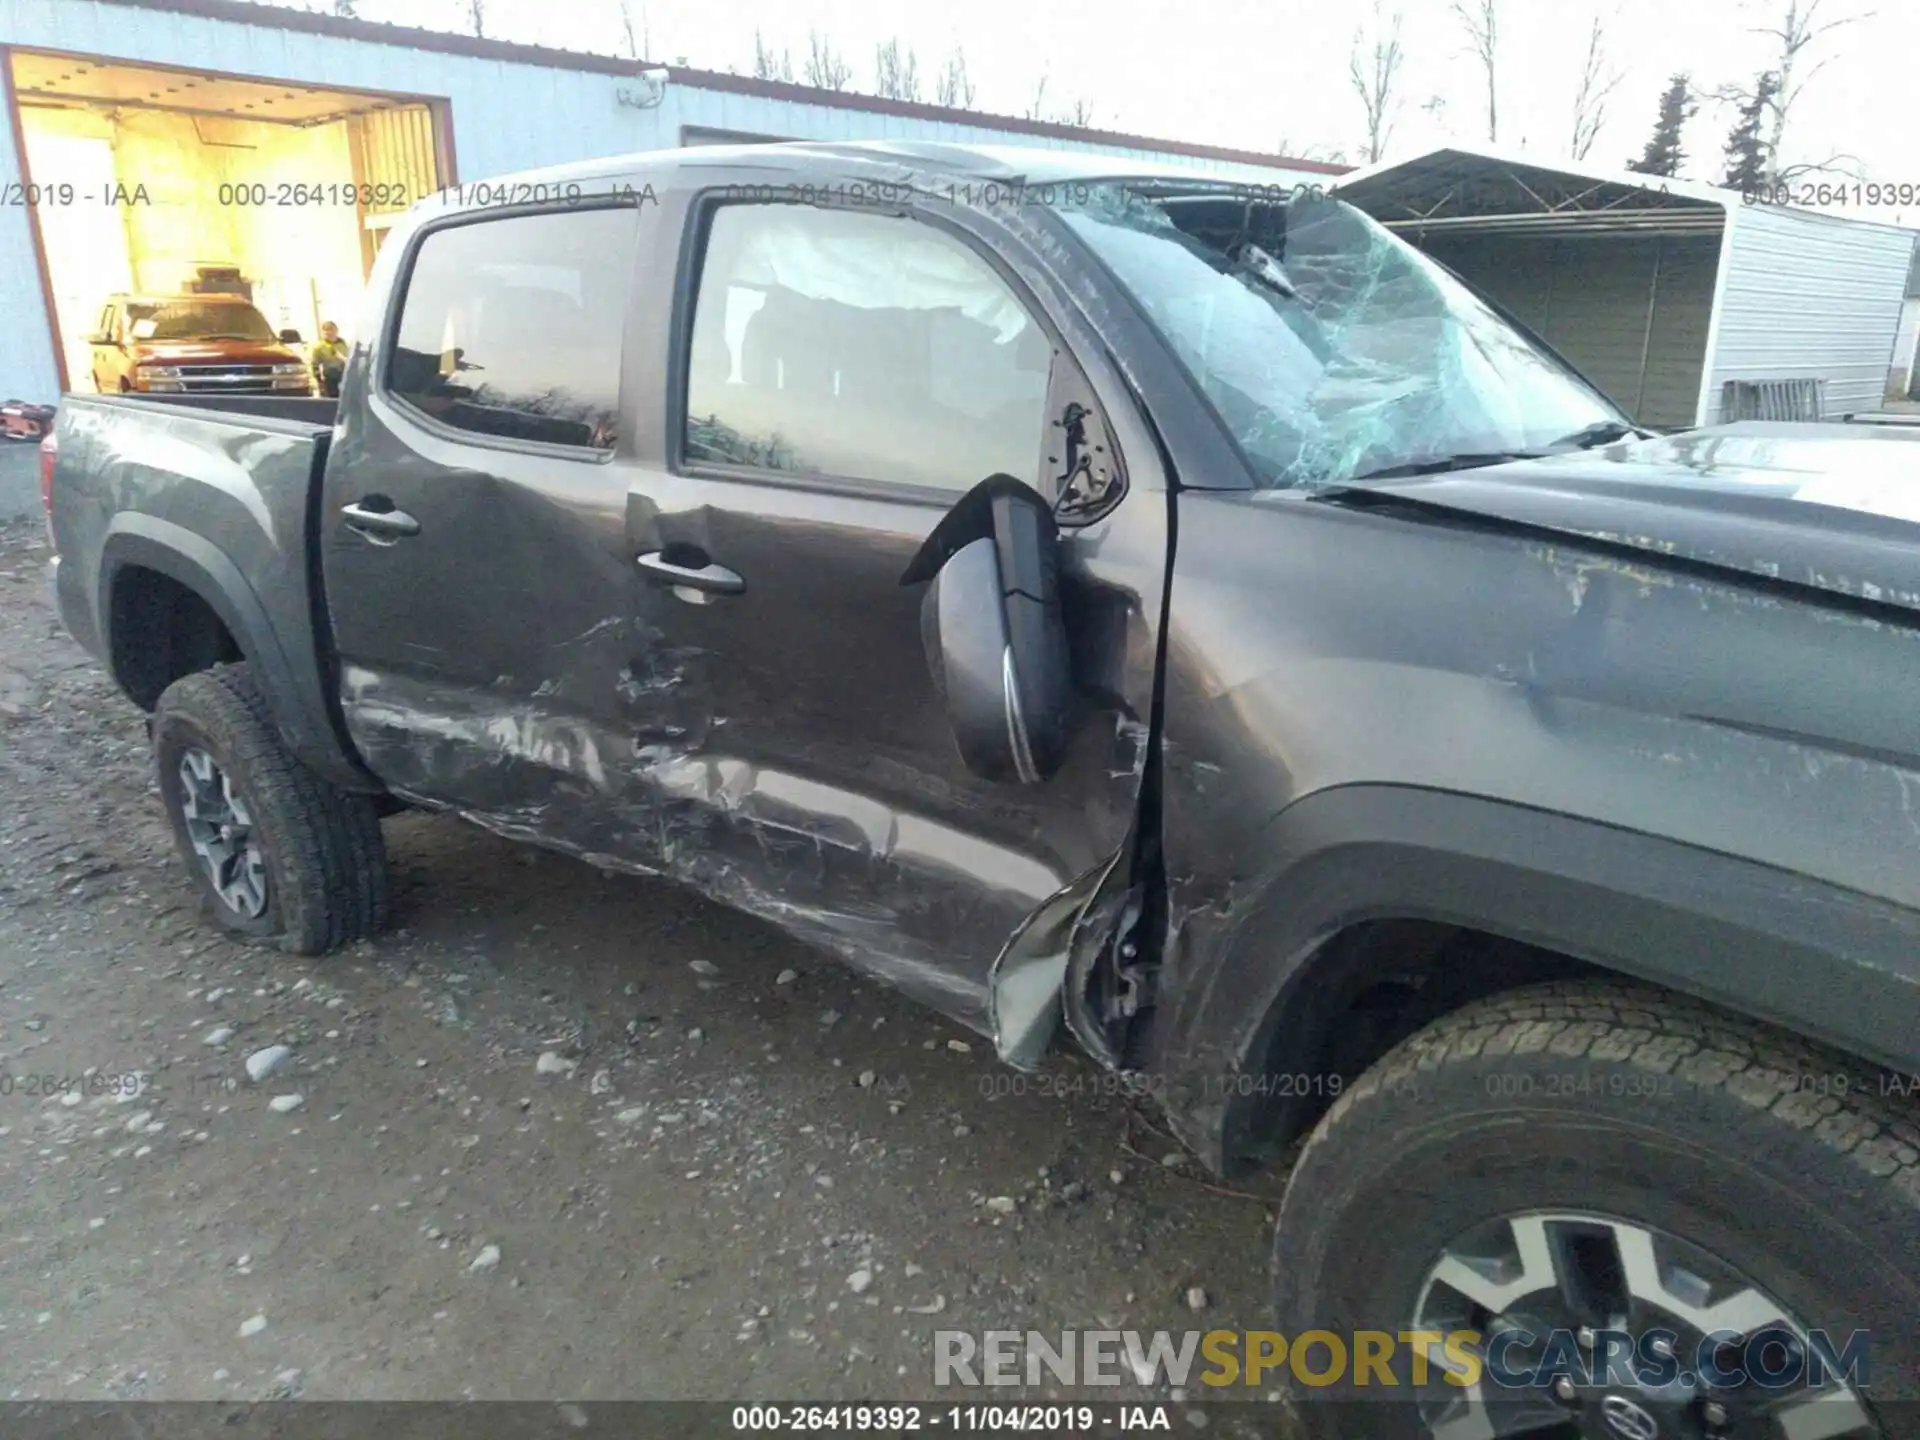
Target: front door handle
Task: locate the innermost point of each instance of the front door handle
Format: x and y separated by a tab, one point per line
704	575
386	524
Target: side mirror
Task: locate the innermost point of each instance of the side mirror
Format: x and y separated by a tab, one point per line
290	337
994	631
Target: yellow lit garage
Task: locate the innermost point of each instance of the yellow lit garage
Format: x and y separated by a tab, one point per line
187	220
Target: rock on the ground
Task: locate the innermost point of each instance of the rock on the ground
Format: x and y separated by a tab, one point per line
251	1327
551	1062
262	1063
487	1259
286	1104
219	1035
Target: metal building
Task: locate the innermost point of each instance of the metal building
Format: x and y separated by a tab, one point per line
1681	302
147	144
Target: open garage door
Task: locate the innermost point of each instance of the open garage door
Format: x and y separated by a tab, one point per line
157	184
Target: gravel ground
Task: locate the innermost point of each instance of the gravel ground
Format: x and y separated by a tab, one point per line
557	1134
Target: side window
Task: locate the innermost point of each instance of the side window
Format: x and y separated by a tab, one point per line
861	345
512	327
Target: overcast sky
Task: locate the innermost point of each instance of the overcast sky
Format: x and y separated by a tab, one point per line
1260	74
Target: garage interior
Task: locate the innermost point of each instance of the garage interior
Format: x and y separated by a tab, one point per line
1619	278
167	182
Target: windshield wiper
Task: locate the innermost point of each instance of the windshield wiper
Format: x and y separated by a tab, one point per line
1603	432
1444	463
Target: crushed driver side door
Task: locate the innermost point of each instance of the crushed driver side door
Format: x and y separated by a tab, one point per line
838	377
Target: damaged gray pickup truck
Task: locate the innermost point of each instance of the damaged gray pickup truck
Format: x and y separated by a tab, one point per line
1140	608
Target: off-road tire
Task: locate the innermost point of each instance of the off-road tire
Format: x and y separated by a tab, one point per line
1799	1166
326	863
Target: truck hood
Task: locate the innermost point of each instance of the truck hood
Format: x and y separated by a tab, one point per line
1833	508
213	352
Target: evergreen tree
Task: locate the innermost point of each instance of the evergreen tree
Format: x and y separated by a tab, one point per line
1663	153
1746	149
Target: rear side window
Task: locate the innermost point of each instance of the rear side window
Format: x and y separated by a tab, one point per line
861	345
511	327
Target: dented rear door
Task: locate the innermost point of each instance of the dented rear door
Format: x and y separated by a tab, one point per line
473	523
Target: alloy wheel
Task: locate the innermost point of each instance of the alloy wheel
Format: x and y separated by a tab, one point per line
220	829
1597	1327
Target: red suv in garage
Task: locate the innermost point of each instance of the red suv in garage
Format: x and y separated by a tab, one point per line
194	344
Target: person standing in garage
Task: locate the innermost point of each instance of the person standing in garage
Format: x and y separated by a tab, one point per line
329	359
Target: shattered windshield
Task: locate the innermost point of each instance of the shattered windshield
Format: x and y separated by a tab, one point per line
1333	351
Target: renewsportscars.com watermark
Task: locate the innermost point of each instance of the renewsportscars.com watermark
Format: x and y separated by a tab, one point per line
1513	1359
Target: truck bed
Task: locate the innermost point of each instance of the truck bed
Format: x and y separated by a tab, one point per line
217	494
244	409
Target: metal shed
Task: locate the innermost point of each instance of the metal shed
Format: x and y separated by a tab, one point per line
1684	304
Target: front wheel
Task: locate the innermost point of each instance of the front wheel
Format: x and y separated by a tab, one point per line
1591	1209
279	856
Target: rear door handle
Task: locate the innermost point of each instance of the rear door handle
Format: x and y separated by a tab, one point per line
714	579
387	524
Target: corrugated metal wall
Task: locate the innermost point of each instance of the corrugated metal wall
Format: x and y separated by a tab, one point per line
1810	296
506	117
26	346
1588	297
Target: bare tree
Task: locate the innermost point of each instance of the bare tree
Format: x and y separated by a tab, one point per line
896	73
770	66
825	70
1372	68
1079	113
1308	150
638	42
1598	80
954	90
347	9
1481	20
477	17
1796	34
1037	110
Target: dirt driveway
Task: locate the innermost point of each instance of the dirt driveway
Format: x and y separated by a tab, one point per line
557	1135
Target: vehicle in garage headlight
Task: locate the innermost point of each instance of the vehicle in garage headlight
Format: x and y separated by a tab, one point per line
157	378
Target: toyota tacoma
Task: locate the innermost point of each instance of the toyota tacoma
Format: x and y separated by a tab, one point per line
1126	608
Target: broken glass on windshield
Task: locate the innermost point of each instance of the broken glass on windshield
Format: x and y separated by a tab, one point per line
1331	349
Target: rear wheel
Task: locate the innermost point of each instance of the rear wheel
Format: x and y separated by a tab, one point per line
1635	1217
279	856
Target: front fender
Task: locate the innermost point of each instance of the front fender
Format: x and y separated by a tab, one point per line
1827	962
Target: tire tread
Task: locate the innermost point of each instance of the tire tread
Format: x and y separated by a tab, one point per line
330	840
1665	1034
